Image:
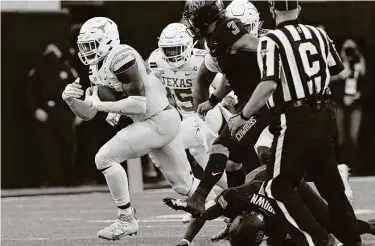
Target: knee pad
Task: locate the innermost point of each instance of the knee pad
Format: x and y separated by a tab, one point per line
103	160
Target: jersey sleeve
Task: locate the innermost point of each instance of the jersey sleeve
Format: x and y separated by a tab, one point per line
152	63
233	30
268	59
210	64
334	62
122	61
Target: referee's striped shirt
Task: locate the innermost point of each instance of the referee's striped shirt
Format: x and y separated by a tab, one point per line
300	58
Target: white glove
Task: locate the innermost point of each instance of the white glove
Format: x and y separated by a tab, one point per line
113	118
92	97
41	115
230	100
204	134
73	90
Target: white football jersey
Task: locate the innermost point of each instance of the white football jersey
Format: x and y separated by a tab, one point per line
179	82
156	95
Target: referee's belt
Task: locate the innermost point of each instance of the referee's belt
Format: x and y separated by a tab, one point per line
303	103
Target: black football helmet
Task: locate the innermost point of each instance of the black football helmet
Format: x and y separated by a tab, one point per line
247	228
198	14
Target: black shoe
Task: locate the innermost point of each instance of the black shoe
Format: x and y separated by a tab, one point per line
372	226
223	234
189	205
193	205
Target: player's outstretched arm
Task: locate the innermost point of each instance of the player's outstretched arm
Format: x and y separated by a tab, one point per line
196	224
201	90
71	95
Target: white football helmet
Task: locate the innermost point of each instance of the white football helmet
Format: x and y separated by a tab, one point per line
96	38
175	44
247	13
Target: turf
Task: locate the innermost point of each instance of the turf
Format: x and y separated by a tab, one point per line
75	219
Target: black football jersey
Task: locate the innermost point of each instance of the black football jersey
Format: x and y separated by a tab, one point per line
241	69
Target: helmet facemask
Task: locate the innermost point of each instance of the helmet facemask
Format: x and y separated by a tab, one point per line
97	37
175	56
176	45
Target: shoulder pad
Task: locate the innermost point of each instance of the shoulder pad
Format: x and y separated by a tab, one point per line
231	30
200	52
154	59
122	57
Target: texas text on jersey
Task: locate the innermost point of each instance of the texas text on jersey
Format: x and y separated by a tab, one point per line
179	81
242	73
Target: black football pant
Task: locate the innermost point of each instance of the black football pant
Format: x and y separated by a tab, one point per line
239	149
305	143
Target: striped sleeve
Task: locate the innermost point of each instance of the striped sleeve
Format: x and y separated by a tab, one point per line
333	60
268	59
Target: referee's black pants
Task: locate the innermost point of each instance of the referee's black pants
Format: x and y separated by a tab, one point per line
304	142
238	149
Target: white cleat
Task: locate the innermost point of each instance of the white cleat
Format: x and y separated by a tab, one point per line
123	226
187	218
344	173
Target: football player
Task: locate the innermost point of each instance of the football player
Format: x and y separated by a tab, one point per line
232	52
176	63
156	123
256	215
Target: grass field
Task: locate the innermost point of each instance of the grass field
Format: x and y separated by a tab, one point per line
75	219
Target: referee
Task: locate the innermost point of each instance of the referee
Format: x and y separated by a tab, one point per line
299	59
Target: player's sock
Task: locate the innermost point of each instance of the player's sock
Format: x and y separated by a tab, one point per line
125	209
235	178
213	172
117	182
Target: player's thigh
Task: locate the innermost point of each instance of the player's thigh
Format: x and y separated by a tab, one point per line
172	161
214	119
188	133
130	142
167	124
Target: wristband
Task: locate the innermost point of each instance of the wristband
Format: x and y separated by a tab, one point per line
244	117
214	100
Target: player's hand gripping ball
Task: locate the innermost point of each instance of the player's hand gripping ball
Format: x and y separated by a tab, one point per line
106	93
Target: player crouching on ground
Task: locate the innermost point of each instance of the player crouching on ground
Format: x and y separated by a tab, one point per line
156	123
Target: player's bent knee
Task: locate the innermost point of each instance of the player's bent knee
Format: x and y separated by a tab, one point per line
232	166
103	160
219	149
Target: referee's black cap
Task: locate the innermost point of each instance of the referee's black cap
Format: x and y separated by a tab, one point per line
283	5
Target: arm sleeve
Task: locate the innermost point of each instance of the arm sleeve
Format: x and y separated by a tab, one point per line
268	60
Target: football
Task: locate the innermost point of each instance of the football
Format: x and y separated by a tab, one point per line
106	93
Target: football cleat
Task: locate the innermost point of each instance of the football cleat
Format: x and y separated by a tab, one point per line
188	205
344	173
123	226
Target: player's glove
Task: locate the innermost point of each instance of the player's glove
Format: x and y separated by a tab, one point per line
203	108
73	90
113	118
